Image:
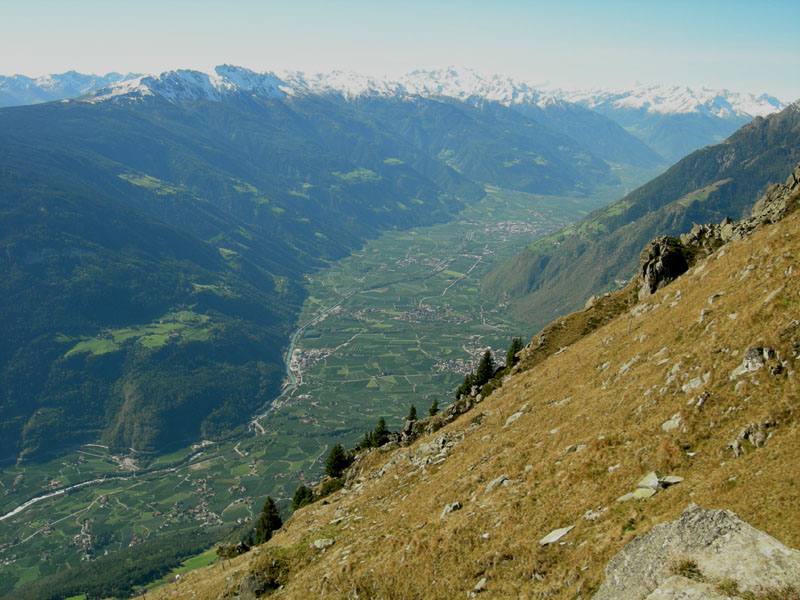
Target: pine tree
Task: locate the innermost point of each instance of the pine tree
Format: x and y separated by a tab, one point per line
268	521
337	462
412	413
302	496
511	356
380	435
466	386
434	408
485	369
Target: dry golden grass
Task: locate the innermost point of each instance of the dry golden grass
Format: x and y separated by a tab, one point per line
392	543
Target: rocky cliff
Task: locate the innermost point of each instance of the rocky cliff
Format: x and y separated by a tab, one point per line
616	419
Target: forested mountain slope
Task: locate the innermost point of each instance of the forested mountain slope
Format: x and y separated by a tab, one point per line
560	272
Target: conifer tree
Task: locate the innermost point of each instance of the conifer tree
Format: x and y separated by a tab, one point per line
302	496
337	462
485	369
412	413
434	408
268	521
380	435
466	386
511	356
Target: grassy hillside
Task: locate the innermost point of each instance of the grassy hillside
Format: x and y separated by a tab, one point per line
558	273
658	388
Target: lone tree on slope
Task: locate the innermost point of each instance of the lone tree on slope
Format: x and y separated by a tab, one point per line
337	462
268	521
485	369
511	356
434	407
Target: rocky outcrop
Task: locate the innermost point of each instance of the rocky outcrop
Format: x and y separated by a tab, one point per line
663	260
715	547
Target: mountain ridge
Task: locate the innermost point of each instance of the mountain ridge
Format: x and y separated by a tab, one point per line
710	184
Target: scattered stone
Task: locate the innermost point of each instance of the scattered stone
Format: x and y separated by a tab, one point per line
643	493
480	586
450	508
649	481
672	423
593	515
495	482
513	418
693	384
754	359
323	543
627	366
555	535
756	433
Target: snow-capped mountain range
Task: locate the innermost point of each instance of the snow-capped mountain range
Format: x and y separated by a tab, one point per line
672	120
462	84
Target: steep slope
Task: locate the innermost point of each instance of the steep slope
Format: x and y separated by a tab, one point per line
688	396
560	272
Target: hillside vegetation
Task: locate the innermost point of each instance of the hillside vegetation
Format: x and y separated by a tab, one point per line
697	384
558	273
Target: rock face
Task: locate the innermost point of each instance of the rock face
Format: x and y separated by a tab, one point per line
719	546
661	262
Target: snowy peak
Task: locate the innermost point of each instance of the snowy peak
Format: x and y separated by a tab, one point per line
670	100
19	89
186	85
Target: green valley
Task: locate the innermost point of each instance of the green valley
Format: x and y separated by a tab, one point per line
399	321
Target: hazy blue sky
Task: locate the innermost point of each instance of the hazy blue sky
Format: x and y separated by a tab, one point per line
744	46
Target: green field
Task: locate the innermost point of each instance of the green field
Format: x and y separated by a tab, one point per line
398	322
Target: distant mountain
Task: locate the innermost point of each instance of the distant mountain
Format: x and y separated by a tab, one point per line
18	90
558	273
676	120
147	248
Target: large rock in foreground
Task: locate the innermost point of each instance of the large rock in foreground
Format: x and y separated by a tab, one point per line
713	545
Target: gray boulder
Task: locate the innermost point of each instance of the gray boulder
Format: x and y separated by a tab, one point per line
718	543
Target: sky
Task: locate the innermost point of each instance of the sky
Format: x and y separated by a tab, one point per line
744	46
